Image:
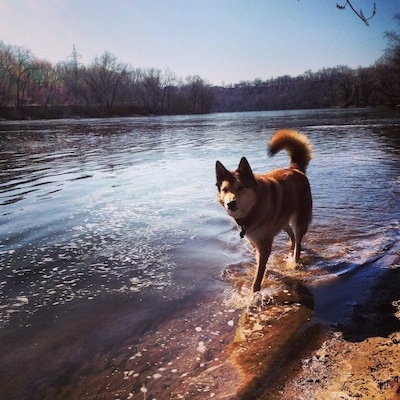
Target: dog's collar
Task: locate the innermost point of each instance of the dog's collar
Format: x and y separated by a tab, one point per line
246	222
243	225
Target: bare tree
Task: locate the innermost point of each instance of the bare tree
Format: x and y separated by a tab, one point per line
6	65
199	94
389	68
103	77
22	71
168	80
155	88
152	89
393	37
70	92
46	82
360	14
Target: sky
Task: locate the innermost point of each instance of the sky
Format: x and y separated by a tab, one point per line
223	41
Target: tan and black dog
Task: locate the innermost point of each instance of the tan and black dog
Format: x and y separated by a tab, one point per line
264	204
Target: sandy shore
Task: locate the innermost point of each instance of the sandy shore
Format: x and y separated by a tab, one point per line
275	349
360	358
340	369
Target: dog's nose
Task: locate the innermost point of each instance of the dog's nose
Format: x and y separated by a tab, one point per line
231	205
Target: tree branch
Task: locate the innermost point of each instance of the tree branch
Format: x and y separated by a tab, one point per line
359	14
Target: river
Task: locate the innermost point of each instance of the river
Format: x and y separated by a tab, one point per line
121	276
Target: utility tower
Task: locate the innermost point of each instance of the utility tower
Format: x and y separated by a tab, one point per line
74	66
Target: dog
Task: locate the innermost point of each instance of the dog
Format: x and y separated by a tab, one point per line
265	204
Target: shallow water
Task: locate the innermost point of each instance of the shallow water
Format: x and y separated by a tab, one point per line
110	232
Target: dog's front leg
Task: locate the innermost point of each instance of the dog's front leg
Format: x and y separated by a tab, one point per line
262	258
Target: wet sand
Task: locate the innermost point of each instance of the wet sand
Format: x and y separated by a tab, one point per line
281	345
277	348
360	359
357	357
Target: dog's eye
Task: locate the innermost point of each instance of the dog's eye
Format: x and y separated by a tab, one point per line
225	190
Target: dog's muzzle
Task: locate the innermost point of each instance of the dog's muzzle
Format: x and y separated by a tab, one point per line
231	206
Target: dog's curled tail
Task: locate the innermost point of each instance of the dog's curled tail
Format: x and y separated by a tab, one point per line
295	143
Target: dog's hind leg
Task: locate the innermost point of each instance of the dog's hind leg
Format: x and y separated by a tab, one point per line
289	231
300	230
297	247
262	258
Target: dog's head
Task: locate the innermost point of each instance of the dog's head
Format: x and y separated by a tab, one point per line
236	190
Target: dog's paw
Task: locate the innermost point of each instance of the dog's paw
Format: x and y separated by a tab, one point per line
262	298
291	262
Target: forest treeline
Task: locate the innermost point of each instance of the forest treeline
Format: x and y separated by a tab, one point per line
35	88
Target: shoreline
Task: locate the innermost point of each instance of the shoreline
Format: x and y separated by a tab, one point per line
359	360
208	348
355	358
274	351
38	113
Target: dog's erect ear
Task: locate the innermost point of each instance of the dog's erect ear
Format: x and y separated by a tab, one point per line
246	175
222	174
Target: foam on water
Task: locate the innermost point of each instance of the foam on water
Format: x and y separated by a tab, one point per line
97	259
